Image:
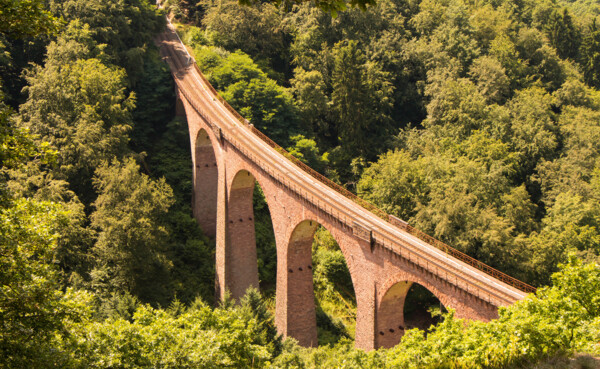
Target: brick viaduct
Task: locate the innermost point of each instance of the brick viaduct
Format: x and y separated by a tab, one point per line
385	256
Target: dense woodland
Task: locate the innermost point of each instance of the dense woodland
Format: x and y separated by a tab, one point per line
477	122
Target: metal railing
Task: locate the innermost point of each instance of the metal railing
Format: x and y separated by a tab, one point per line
365	204
470	260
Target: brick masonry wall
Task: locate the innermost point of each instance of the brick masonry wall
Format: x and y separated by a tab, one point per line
242	267
300	306
206	181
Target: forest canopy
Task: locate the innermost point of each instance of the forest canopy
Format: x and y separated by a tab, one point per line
476	122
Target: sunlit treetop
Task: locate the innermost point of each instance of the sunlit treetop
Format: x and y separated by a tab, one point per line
24	18
329	6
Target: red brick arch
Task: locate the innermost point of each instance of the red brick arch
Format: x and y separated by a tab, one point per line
240	247
299	295
390	306
295	295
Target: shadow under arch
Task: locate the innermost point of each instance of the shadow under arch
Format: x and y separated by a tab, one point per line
296	313
241	248
391	313
206	180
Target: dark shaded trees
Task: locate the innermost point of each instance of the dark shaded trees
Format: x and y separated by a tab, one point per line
590	56
125	28
83	110
129	217
562	34
361	100
26	18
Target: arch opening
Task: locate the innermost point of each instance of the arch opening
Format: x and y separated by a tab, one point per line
334	291
422	308
206	179
321	304
406	305
266	249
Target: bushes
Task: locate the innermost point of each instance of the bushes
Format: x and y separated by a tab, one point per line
557	322
232	336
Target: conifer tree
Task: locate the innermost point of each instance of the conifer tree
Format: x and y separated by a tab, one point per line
590	55
563	35
130	220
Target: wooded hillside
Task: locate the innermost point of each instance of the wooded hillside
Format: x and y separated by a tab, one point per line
475	121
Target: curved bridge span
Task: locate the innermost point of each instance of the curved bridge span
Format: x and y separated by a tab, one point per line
385	256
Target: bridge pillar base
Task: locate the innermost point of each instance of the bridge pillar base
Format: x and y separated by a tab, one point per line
365	314
242	267
296	315
390	316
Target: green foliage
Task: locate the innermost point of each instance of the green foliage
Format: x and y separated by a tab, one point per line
490	78
119	305
572	171
360	99
186	10
533	125
23	177
256	30
125	27
544	66
458	107
306	150
328	6
451	189
562	34
590	56
33	311
190	256
154	102
330	328
353	86
571	226
396	184
129	218
16	144
334	290
266	249
179	337
16	55
248	89
331	275
75	42
310	93
580	284
26	18
267	333
83	111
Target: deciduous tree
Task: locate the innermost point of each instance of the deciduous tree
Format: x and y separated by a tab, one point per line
129	217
